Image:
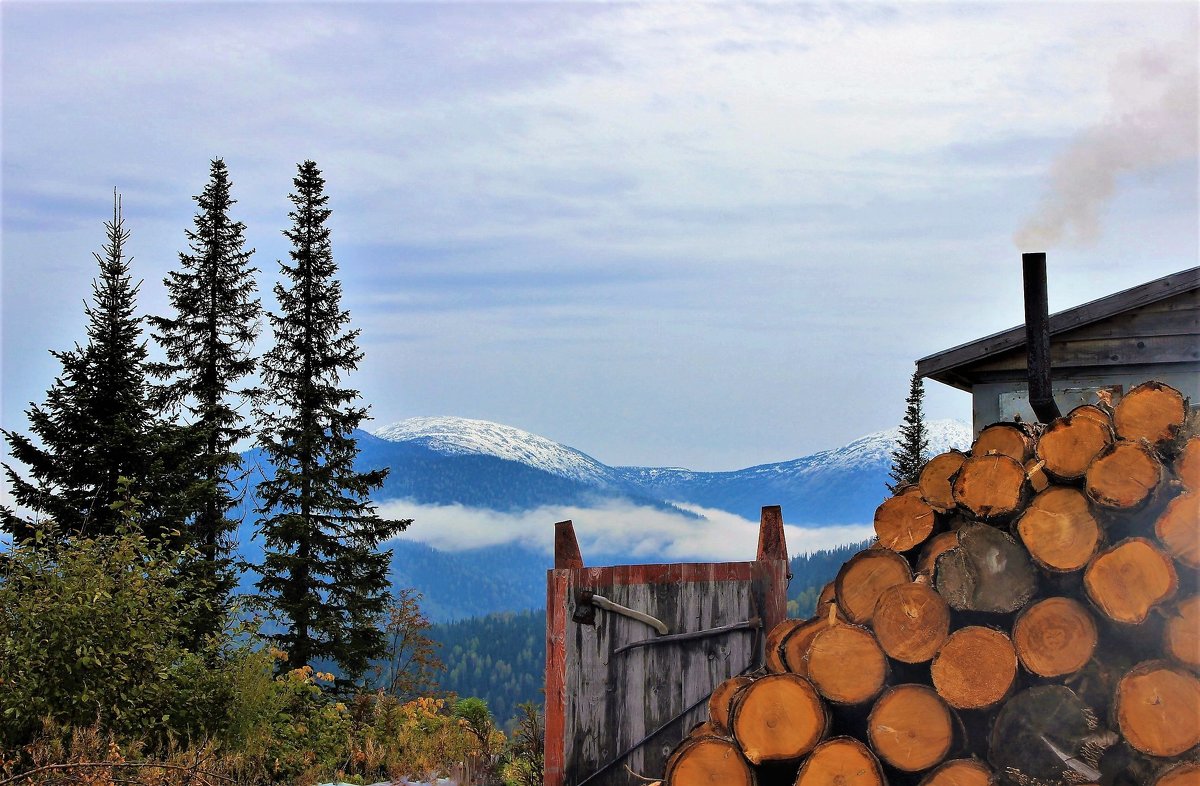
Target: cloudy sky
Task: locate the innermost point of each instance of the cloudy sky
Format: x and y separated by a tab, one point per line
665	234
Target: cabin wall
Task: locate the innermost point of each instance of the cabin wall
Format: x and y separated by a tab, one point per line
997	401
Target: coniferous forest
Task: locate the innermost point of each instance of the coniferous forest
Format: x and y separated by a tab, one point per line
126	655
129	655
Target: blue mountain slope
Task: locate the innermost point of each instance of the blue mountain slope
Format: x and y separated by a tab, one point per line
489	467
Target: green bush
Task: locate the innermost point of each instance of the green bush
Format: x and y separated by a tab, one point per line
93	632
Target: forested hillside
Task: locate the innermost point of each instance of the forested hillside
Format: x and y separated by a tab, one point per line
500	658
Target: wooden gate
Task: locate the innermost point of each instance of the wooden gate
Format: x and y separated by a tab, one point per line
620	695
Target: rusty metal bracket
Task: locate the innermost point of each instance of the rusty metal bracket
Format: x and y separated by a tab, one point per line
753	623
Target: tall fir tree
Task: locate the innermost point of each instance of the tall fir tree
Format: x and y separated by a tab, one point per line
322	574
208	345
911	448
96	426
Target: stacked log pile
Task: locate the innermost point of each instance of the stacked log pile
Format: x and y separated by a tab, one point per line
1027	616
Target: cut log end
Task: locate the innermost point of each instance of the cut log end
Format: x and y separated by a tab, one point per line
1059	530
794	647
841	761
911	622
1181	636
992	487
704	760
1178	528
864	577
1124	475
905	521
1151	411
910	728
936	481
960	772
975	668
1006	439
846	664
778	718
774	640
1184	774
1126	581
1187	465
986	571
1055	636
1069	444
721	700
1157	707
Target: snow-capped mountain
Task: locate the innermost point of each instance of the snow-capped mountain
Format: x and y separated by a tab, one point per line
440	460
452	436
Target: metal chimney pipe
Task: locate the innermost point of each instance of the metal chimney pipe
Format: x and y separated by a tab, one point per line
1037	336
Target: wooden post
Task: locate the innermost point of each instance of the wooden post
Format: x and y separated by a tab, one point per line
566	547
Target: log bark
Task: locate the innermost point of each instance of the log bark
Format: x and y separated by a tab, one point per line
911	622
910	728
975	669
986	571
1070	443
778	718
1178	528
1124	476
846	664
705	760
1157	707
1055	637
936	481
960	772
1059	530
1152	411
841	761
1181	634
1006	439
864	577
1035	730
721	701
992	487
904	521
1126	581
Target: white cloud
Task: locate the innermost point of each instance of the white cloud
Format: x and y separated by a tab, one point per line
630	531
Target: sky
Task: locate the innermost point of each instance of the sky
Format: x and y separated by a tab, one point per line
700	235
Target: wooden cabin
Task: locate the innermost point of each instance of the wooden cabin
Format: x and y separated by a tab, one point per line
621	693
1151	331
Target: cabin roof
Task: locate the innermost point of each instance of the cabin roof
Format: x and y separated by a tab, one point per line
952	366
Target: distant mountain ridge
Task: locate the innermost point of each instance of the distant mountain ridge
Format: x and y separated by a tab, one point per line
830	487
492	469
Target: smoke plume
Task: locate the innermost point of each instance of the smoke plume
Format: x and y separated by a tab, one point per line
1152	123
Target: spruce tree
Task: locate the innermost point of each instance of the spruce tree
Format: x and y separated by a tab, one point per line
96	426
208	346
322	573
909	456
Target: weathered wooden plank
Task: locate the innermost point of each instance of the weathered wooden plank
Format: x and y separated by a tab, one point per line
1105	352
612	702
1142	323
